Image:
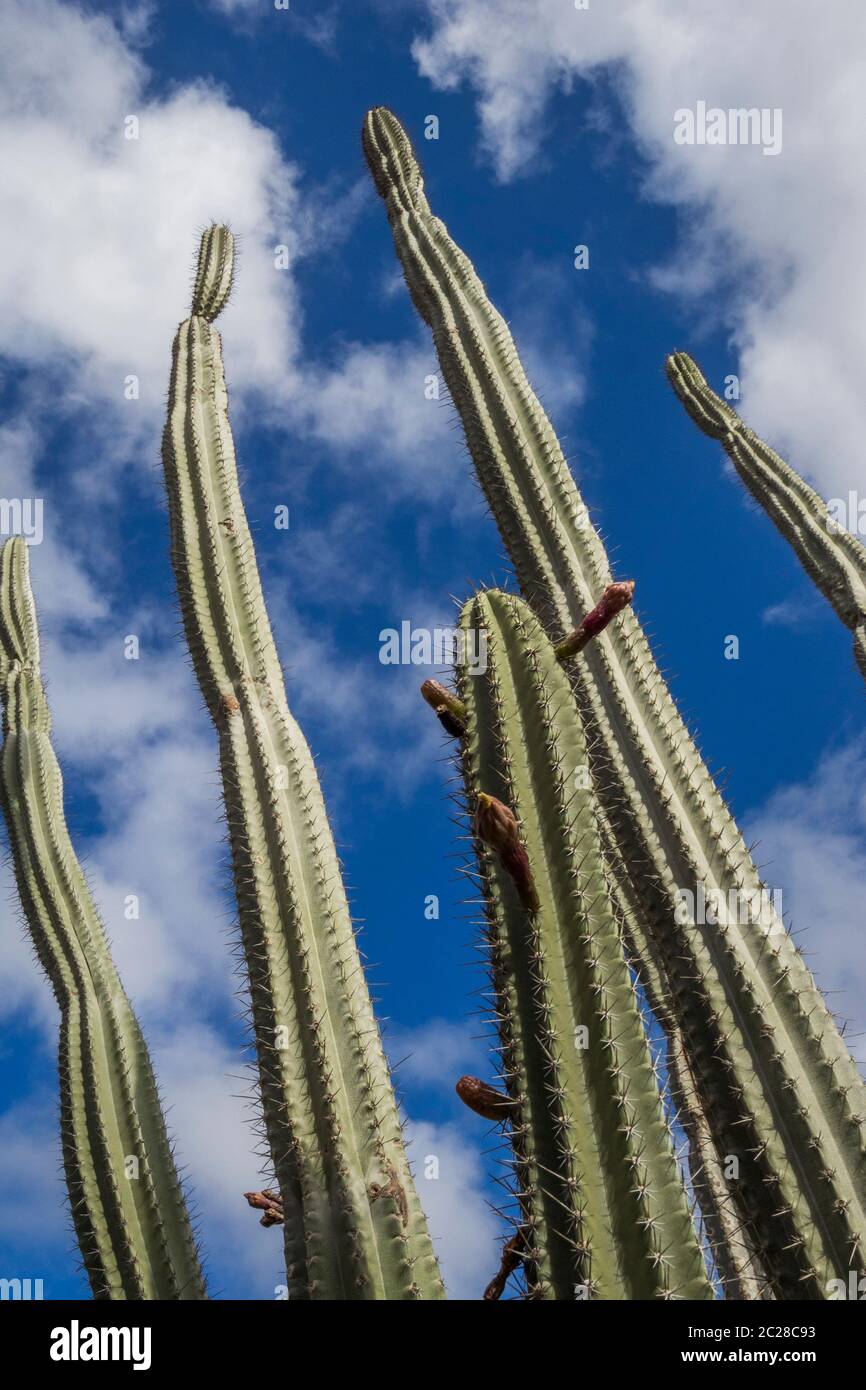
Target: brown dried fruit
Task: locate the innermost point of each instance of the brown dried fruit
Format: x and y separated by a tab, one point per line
483	1099
615	598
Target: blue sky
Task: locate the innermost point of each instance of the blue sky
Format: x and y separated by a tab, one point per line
555	129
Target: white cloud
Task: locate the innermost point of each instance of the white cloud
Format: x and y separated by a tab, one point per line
466	1232
372	404
64	586
26	991
96	252
811	842
96	256
319	27
438	1053
207	1087
793	613
235	7
784	232
167	850
376	714
32	1216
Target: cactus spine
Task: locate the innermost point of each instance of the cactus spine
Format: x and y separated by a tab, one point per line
776	1084
127	1205
604	1213
353	1224
833	558
736	1266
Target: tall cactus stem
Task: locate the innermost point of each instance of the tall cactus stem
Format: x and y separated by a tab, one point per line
778	1089
604	1212
353	1224
127	1205
833	559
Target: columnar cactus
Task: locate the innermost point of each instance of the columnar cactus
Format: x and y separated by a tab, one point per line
777	1087
353	1224
127	1205
603	1210
833	558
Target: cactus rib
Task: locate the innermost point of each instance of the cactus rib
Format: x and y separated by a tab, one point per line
127	1205
776	1084
736	1265
604	1211
833	559
353	1224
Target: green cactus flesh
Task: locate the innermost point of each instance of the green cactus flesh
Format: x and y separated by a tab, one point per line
127	1206
604	1213
735	1264
833	559
353	1228
778	1089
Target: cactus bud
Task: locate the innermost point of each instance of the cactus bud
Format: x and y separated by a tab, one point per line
511	1255
450	711
495	824
271	1203
485	1100
615	598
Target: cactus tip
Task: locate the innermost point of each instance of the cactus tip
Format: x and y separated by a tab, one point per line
214	272
388	151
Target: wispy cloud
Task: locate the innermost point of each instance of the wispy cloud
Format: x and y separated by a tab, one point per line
792	613
437	1053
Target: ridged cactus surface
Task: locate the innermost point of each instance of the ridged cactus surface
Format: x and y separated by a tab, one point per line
833	559
127	1205
778	1090
353	1224
603	1210
736	1266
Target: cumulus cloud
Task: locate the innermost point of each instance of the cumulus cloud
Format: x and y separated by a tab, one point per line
96	256
96	251
781	233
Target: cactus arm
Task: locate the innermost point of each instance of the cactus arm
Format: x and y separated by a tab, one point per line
834	559
132	1227
776	1083
604	1205
353	1225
